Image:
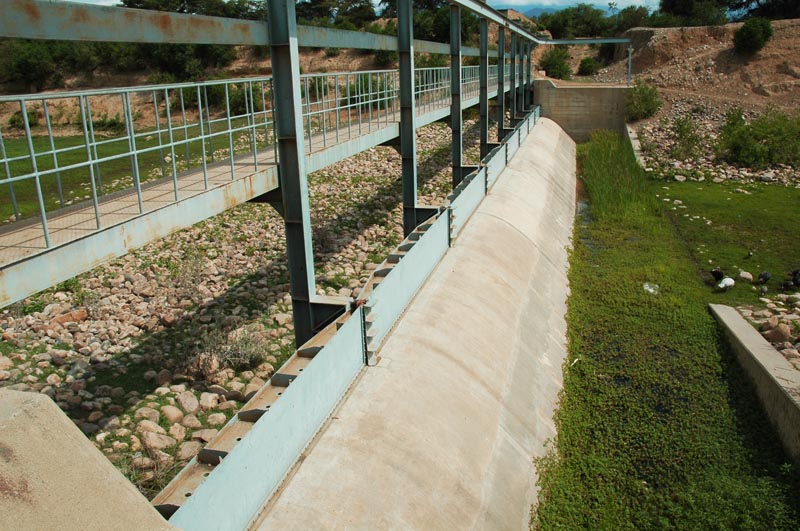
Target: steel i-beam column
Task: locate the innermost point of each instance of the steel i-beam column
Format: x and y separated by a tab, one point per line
455	93
523	64
501	84
308	314
408	126
483	96
528	87
513	75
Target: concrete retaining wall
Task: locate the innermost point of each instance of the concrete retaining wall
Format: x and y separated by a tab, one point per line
581	109
52	477
777	382
441	433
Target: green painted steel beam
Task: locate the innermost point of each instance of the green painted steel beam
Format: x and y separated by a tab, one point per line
483	95
457	144
408	134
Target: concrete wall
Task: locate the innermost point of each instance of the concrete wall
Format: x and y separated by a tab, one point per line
777	382
52	476
441	433
581	109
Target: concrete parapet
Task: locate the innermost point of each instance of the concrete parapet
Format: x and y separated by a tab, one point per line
52	477
581	108
777	382
441	433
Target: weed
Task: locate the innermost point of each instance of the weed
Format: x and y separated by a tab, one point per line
772	138
554	62
686	138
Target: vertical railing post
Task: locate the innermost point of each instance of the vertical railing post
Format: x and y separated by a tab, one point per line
455	93
630	63
483	96
501	83
408	133
513	90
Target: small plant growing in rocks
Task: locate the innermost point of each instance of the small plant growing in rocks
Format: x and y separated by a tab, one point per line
642	101
752	36
686	138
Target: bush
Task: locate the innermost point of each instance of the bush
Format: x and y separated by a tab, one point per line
589	67
772	138
687	140
642	101
554	62
385	58
752	36
332	52
16	121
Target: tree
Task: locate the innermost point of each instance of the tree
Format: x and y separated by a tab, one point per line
582	20
752	36
696	12
774	9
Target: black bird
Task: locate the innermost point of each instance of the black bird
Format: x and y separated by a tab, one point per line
764	277
717	274
763	290
749	255
796	277
787	285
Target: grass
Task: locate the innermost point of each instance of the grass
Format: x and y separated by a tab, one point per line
658	427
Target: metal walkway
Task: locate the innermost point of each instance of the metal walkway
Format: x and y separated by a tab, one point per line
337	124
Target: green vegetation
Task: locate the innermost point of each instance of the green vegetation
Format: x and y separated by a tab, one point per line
686	137
752	36
772	138
642	101
589	66
658	427
554	62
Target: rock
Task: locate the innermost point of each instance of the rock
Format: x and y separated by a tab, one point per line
149	426
5	363
227	405
177	431
790	353
191	422
172	413
143	463
163	377
770	323
680	178
75	316
282	319
204	435
147	413
53	379
217	419
150	375
778	334
188	450
188	402
156	441
744	275
4	375
234	395
208	401
250	390
217	389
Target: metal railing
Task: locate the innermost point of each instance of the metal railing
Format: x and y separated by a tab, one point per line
73	147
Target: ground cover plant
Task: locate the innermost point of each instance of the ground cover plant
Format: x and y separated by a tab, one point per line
658	427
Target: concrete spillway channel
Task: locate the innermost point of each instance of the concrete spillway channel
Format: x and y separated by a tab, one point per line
463	332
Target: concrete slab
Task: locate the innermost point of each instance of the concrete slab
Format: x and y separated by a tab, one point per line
442	432
52	477
776	380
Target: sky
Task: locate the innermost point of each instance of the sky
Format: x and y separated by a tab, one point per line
652	4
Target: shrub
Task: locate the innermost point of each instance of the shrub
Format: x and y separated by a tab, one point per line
16	121
772	138
642	101
752	36
385	58
332	52
589	67
687	140
554	62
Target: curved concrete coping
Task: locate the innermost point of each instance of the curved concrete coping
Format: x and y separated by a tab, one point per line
777	382
441	433
52	477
